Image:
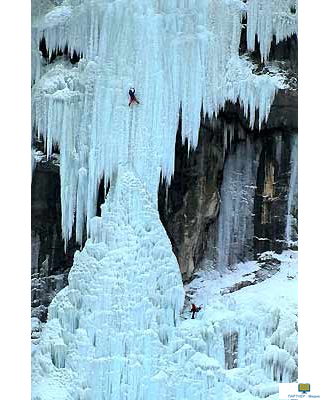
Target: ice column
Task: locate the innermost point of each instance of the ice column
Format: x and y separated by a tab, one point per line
292	217
235	232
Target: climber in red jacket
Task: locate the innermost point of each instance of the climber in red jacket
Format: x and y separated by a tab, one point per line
131	93
194	310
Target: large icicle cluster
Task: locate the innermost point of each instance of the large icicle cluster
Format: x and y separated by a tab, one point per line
62	107
178	55
268	19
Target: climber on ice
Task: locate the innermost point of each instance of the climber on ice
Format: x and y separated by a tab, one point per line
131	93
194	310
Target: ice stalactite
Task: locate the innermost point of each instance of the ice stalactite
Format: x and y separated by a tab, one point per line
36	63
62	104
292	217
235	232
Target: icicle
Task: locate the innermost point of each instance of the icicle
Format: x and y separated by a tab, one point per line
81	203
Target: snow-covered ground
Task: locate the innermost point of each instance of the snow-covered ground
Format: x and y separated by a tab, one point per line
259	321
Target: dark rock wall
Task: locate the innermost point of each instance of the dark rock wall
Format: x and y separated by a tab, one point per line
189	207
50	265
45	218
271	197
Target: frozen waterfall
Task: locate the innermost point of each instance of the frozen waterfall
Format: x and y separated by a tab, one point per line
115	332
179	55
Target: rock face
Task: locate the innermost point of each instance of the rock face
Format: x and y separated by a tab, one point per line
231	350
270	206
284	112
189	207
191	204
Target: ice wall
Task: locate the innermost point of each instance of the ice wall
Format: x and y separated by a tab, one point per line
236	221
179	55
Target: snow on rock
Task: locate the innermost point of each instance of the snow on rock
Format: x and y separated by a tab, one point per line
36	156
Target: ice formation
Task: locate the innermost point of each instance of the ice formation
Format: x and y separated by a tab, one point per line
291	221
268	19
115	331
236	223
179	55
